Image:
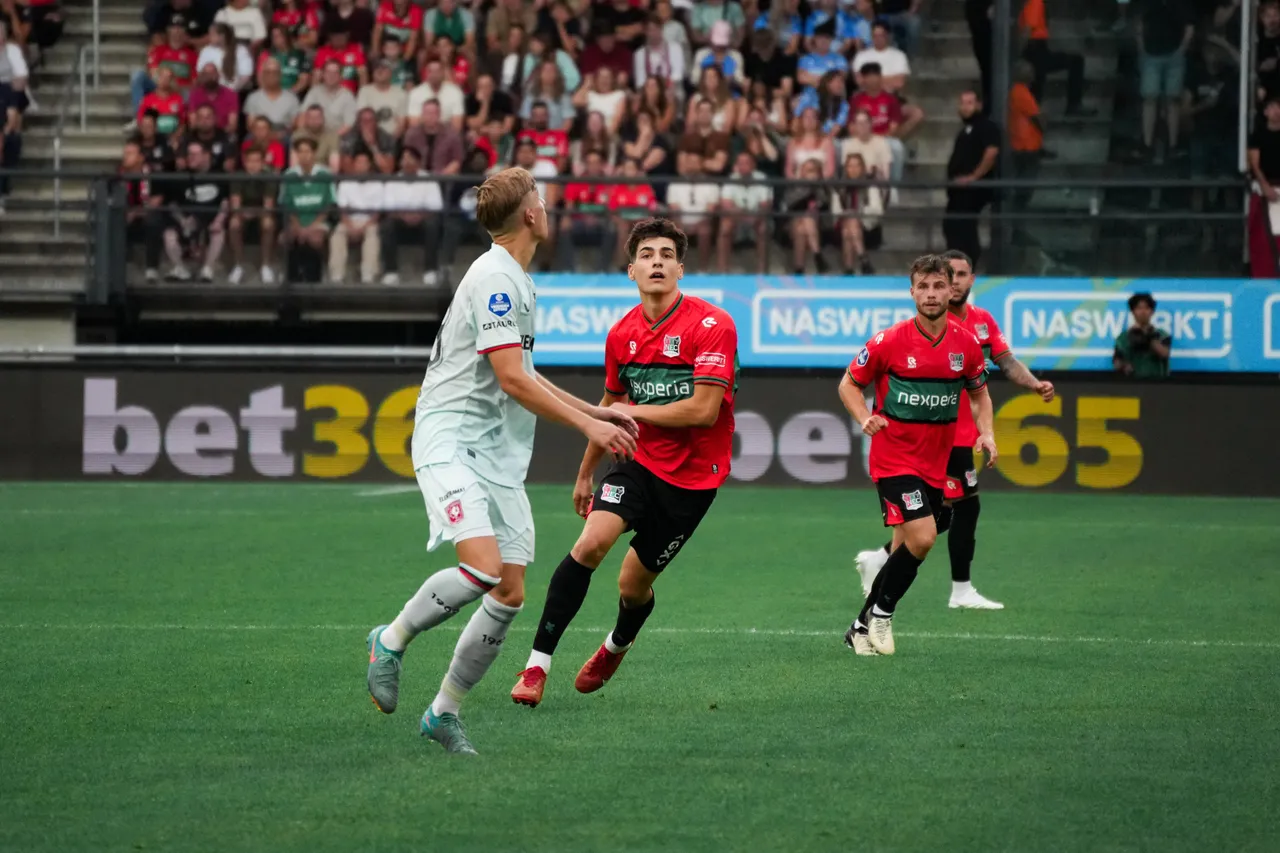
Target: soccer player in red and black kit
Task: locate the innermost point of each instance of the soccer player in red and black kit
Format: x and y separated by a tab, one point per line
919	369
672	362
961	488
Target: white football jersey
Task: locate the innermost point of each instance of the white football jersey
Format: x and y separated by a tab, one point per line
463	414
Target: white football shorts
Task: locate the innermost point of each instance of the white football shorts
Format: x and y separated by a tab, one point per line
461	506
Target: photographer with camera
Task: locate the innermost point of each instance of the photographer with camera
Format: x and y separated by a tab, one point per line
1143	350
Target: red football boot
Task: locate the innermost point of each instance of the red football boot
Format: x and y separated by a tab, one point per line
599	669
528	690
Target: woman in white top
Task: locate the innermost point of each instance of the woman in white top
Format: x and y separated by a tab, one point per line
874	150
595	137
714	88
858	208
547	85
810	144
234	63
601	95
13	73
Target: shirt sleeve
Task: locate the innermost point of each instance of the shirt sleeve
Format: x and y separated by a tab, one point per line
975	365
495	304
999	343
612	380
715	355
868	364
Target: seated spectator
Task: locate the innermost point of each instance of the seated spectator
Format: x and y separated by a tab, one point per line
641	141
623	19
745	205
211	94
629	203
585	222
658	98
774	105
413	209
46	22
851	32
176	54
558	24
352	17
439	145
1035	30
889	118
810	144
404	74
903	18
540	51
673	29
658	58
719	55
324	142
548	89
526	157
306	199
513	64
193	217
859	210
783	22
272	101
156	150
1142	351
893	65
497	144
873	150
292	62
333	98
489	104
830	100
607	51
245	21
263	138
595	138
552	142
601	95
401	20
196	20
301	20
389	102
508	14
166	102
693	202
448	18
457	65
701	138
713	89
232	59
808	201
820	59
708	13
348	54
359	205
216	140
369	139
448	97
754	137
137	196
768	65
1165	30
253	201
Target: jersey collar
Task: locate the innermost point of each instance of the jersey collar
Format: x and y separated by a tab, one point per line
915	321
665	317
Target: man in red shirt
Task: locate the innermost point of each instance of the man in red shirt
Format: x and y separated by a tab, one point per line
629	203
553	143
167	103
672	363
401	19
355	71
888	117
919	369
174	53
605	51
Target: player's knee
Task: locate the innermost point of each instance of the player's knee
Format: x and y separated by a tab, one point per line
633	590
591	548
921	542
509	591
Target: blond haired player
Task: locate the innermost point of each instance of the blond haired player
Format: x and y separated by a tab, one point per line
472	439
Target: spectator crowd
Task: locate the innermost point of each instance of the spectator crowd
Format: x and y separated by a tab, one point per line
335	125
28	28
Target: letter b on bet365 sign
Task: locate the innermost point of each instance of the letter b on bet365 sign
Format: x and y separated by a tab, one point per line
199	441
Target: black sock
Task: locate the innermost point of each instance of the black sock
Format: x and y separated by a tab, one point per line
631	620
565	594
876	585
899	573
960	541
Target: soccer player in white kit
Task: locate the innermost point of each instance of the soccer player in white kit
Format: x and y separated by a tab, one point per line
472	439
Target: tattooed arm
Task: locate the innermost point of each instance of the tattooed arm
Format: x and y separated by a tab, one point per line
1020	374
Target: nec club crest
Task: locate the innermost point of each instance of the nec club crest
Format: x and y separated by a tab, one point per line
913	500
971	477
453	512
612	494
981	329
671	345
957	361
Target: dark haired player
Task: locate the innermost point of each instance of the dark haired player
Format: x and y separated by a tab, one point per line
961	488
672	364
919	369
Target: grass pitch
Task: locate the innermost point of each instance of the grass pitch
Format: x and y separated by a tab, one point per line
183	669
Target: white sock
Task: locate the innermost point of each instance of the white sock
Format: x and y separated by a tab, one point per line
959	588
878	613
439	599
613	647
477	649
539	659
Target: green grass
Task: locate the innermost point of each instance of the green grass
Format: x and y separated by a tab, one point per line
183	668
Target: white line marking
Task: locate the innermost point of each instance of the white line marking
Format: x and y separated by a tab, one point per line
743	632
387	490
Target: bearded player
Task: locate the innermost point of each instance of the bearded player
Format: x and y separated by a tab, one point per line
919	369
961	488
671	363
472	439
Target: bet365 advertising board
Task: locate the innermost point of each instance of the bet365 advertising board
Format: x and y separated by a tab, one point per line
313	425
1229	325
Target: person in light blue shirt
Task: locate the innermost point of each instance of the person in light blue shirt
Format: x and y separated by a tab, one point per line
851	33
830	100
784	19
822	59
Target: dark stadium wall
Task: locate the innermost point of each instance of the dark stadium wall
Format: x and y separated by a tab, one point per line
169	424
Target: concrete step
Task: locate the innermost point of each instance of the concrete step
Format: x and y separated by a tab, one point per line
113	65
955	42
58	264
22	241
72	137
111	31
96	111
947	87
963	71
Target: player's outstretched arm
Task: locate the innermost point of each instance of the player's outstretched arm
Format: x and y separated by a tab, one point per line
856	405
600	413
508	366
1022	375
984	417
700	410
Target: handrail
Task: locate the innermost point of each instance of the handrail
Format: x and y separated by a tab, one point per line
63	102
97	52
